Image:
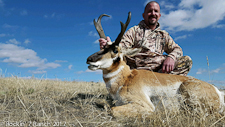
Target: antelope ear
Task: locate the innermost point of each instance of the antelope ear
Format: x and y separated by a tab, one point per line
132	52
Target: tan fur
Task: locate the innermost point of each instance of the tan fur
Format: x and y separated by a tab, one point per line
133	81
133	90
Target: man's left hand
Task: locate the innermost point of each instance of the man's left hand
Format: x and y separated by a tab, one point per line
168	65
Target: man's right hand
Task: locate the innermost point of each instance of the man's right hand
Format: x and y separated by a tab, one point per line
103	42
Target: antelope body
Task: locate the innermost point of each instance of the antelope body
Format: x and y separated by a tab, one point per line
138	91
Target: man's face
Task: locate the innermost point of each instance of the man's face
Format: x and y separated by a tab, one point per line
151	14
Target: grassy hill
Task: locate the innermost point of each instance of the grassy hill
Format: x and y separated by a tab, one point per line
33	102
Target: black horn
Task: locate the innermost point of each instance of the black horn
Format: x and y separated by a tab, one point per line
98	26
123	29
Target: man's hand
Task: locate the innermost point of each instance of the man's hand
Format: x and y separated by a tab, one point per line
103	42
168	65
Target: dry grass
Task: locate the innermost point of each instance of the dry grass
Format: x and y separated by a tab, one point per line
31	102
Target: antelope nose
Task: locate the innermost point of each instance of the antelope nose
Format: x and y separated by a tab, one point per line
89	59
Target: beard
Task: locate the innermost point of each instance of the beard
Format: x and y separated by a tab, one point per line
152	22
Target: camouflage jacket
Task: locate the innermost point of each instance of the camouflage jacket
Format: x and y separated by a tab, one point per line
153	43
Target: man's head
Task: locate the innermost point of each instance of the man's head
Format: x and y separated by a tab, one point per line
151	14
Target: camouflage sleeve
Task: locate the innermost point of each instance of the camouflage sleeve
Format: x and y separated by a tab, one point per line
172	49
128	39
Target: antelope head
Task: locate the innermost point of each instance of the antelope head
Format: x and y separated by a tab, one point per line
111	54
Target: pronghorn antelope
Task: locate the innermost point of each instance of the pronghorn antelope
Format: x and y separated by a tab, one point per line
136	91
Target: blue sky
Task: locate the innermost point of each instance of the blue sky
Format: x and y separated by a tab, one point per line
53	38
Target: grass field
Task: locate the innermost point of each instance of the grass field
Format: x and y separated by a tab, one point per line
33	102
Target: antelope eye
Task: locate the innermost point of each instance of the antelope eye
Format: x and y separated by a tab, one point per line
115	51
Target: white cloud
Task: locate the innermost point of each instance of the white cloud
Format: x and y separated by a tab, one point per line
182	37
37	71
194	14
216	70
54	16
96	42
70	67
7	26
50	16
93	34
27	41
2	35
24	58
166	5
189	3
201	71
13	41
80	72
163	4
219	26
44	65
61	61
6	35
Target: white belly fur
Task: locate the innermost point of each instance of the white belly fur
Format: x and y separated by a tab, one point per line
163	95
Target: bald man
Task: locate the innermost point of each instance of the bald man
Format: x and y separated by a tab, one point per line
154	42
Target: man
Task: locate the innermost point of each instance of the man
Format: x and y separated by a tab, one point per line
154	42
